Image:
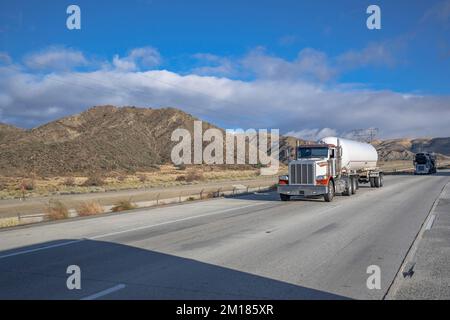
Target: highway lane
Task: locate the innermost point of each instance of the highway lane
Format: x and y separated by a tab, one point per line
252	247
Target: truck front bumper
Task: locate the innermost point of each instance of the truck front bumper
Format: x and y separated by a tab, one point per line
302	190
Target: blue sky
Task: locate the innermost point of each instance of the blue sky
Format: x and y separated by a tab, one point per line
217	55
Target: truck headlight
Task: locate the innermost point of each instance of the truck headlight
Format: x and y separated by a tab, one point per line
322	180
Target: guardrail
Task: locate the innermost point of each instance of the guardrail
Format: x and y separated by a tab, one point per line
156	200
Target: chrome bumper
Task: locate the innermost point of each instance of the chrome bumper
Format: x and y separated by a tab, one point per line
302	190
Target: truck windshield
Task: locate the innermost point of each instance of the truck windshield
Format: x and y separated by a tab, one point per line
421	158
312	152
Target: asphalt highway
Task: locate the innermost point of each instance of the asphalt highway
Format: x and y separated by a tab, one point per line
247	247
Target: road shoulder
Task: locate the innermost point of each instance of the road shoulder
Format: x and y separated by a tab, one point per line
429	265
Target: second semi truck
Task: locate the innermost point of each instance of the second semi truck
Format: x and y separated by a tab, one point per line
425	163
332	166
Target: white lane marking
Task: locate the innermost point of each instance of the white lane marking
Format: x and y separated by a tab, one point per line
169	222
123	231
104	292
430	222
41	248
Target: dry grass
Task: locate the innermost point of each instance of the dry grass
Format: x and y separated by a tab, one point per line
56	210
28	184
3	184
165	176
94	181
123	205
69	182
9	222
195	175
89	209
142	178
121	178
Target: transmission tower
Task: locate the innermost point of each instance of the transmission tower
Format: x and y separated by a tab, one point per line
364	135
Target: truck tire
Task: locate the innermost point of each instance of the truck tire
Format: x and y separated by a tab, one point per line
328	197
285	197
354	185
348	188
372	182
381	180
377	182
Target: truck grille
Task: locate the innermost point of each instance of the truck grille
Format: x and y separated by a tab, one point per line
301	173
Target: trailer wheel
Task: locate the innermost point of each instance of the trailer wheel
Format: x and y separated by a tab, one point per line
377	182
381	180
285	197
330	194
372	182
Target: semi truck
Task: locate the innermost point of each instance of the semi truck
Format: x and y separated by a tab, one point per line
424	163
330	167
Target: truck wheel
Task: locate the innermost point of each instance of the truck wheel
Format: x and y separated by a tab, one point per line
381	180
372	182
357	184
377	182
330	195
285	197
348	188
354	185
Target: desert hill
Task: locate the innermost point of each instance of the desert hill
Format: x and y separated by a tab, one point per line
104	138
129	139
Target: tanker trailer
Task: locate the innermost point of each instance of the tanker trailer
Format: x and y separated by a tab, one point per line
332	166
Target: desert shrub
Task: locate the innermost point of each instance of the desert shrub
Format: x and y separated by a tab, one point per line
181	167
28	184
56	210
89	209
155	167
3	184
69	182
180	178
194	176
123	205
94	181
142	178
121	178
190	199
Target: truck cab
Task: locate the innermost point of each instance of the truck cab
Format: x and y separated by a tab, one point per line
311	173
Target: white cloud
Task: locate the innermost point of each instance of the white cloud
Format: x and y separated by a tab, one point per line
312	134
377	54
309	64
307	109
214	65
55	59
5	58
146	57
